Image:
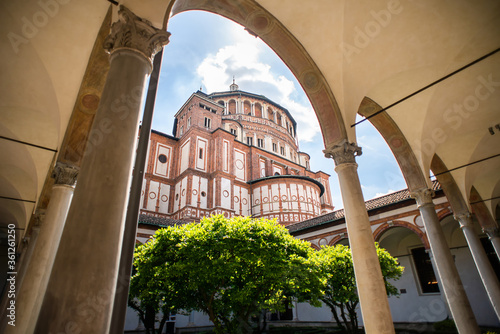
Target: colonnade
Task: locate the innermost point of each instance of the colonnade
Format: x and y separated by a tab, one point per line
78	294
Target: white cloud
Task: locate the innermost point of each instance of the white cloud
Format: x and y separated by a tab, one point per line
390	191
242	59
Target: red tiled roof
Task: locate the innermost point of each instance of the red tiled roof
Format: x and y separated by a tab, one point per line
159	221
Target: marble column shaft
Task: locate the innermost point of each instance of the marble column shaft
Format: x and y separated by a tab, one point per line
486	272
34	284
80	292
372	293
452	284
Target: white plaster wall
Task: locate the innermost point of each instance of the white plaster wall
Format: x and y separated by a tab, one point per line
183	192
225	185
239	165
413	306
256	201
262	164
164	198
202	144
131	320
185	156
162	169
152	195
225	156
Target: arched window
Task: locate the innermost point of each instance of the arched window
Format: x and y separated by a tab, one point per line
258	110
270	114
231	107
247	108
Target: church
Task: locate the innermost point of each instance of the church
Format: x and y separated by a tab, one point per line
425	74
232	153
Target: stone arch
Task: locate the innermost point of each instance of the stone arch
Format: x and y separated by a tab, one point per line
315	247
385	125
337	239
386	226
259	22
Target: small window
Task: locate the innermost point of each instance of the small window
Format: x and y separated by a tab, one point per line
189	122
233	131
207	122
282	150
249	140
260	142
425	272
275	147
201	153
203	194
162	158
182	130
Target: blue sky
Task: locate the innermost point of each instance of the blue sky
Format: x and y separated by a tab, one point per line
206	50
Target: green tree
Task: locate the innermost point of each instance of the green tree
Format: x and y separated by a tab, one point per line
147	296
340	291
229	269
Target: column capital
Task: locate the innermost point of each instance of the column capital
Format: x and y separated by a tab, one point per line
492	232
65	174
133	33
423	196
343	153
464	219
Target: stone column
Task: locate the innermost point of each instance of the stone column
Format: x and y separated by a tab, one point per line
34	284
370	283
80	293
452	285
494	236
488	276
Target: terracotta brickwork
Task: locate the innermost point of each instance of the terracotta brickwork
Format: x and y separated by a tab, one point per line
222	154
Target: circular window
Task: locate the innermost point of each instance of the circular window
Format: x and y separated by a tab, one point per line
203	194
162	158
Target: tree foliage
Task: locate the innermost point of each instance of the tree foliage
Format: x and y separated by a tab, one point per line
340	291
229	269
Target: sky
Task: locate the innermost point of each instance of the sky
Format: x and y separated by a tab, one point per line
207	50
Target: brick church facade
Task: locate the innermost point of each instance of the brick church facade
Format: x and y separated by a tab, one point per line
231	153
